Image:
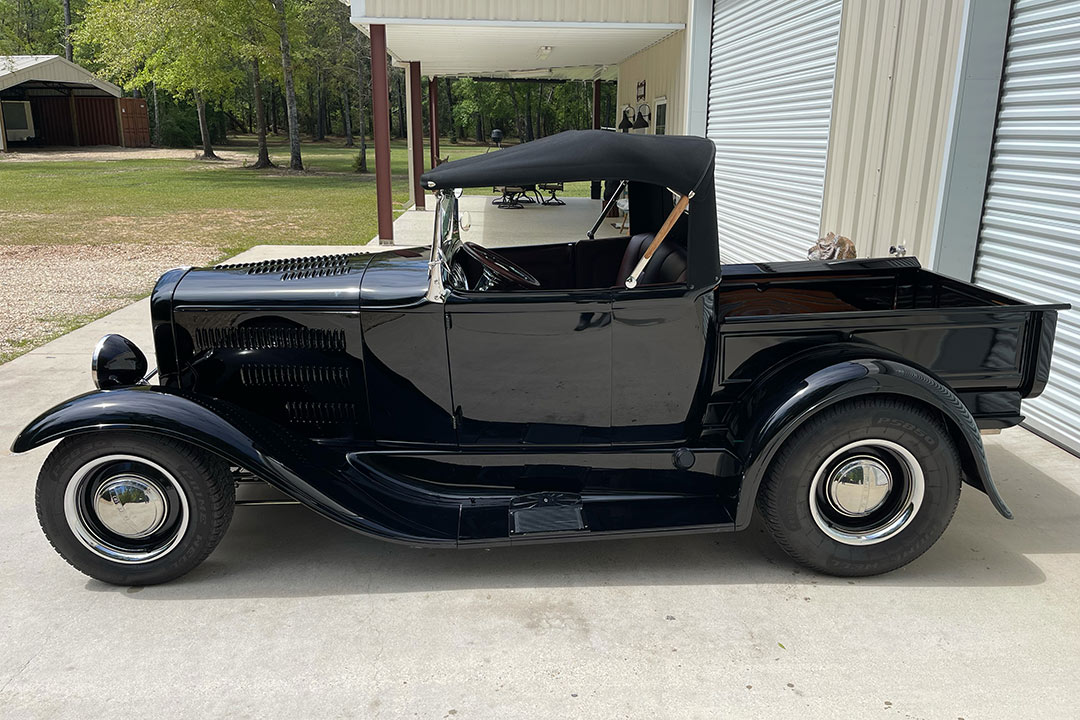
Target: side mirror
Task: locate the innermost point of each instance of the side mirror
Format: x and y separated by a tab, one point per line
465	220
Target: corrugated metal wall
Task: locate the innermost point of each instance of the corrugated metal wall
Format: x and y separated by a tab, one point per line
894	83
96	119
662	67
627	11
1029	244
52	120
770	96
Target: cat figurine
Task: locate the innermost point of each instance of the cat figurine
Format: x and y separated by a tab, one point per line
832	247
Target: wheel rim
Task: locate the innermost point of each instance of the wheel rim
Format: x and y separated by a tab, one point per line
867	492
126	509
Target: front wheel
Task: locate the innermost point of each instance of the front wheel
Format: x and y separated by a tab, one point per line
132	509
863	487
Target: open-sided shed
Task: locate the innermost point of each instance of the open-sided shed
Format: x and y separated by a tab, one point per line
47	100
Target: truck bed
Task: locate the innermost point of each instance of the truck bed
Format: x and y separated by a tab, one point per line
991	349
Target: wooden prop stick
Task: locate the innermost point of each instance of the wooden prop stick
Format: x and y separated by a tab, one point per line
672	218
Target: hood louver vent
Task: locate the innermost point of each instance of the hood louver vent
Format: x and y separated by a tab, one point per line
319	413
262	338
297	268
293	375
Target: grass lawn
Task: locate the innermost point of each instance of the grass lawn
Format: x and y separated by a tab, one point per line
225	205
85	232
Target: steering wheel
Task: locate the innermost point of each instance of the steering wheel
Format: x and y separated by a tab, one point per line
501	266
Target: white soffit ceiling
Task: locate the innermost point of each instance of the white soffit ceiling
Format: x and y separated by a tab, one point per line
513	49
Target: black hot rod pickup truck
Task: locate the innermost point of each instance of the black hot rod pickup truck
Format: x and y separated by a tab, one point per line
605	387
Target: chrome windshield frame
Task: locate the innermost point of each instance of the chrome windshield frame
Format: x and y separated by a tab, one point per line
445	234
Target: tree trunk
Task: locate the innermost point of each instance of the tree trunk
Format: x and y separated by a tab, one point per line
401	105
204	129
273	108
320	107
528	113
362	122
519	126
540	110
450	111
67	29
346	116
260	117
157	118
295	161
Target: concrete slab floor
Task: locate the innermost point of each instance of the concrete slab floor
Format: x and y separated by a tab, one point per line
293	616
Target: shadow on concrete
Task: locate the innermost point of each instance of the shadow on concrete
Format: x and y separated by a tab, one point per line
288	551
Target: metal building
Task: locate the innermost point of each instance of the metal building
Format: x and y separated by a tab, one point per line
47	100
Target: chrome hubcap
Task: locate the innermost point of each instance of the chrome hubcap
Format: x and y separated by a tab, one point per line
867	492
126	509
859	486
131	506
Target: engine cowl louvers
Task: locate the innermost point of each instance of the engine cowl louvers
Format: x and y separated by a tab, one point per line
263	338
298	268
267	375
320	413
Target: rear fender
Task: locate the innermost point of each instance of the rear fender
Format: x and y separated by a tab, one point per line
318	477
781	402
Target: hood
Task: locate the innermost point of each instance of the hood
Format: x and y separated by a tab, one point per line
323	281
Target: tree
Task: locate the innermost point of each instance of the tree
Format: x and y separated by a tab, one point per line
32	28
249	24
175	44
295	161
363	50
67	29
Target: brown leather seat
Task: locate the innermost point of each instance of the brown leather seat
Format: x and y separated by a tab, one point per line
668	263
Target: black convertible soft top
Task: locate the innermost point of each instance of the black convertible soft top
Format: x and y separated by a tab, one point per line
679	162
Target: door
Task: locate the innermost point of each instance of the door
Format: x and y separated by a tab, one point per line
770	102
663	342
531	368
1029	241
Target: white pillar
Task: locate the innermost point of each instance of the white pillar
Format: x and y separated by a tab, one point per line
414	172
3	131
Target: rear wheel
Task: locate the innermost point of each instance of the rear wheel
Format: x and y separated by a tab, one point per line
862	488
132	509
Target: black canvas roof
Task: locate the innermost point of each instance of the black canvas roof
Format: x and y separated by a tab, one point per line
679	162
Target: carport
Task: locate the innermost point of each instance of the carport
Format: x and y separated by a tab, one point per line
47	100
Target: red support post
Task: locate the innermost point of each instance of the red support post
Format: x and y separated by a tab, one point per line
416	133
596	193
380	110
433	117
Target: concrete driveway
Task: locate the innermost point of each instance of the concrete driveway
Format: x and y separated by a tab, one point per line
293	616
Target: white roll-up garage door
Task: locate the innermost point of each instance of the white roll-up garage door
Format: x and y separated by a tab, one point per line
770	97
1029	243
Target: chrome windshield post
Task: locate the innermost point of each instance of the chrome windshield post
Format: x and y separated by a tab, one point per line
444	235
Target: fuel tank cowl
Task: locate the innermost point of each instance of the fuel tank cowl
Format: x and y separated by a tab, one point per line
396	278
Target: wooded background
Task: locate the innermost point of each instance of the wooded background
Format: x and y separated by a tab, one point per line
212	67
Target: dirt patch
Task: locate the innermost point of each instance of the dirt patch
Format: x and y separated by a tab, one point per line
46	290
107	153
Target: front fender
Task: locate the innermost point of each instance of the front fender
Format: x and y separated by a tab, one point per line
778	404
316	476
